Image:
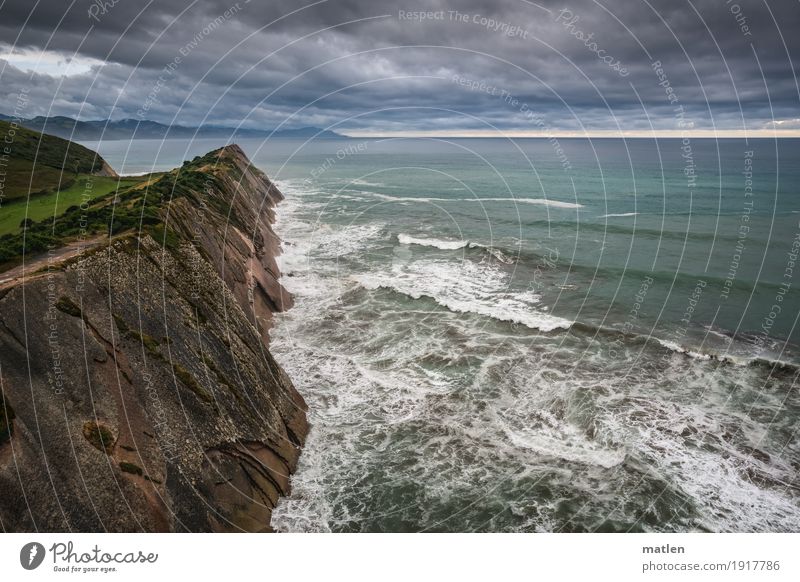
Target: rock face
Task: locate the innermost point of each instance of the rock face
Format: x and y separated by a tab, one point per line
238	237
106	170
138	391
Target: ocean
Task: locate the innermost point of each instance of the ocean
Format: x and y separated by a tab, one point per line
540	335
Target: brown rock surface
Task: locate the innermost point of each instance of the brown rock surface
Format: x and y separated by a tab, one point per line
141	395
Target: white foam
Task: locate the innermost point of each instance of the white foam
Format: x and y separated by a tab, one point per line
724	337
623	214
697	445
355	395
681	350
567	444
466	287
535	201
445	245
496	253
452	245
360	182
297	188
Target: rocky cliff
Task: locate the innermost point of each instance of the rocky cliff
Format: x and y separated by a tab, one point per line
138	391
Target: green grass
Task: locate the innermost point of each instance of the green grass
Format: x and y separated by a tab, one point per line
18	178
47	206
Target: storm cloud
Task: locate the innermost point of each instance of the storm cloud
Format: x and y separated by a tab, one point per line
378	66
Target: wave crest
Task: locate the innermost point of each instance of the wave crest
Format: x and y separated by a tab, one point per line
535	201
445	245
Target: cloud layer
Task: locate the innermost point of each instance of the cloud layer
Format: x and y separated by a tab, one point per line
380	66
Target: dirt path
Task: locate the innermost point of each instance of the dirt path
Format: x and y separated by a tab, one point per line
31	266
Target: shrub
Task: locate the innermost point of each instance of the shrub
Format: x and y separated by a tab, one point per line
127	467
99	436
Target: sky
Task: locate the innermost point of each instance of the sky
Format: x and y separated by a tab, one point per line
434	67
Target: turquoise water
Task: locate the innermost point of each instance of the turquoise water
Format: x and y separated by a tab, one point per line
536	336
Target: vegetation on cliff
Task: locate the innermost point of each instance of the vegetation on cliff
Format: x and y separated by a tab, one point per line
113	207
49	207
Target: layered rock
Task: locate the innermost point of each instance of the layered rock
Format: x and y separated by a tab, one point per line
138	391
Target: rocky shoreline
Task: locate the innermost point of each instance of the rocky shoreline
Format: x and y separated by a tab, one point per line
138	390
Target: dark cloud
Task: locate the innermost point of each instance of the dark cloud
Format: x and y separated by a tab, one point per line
361	64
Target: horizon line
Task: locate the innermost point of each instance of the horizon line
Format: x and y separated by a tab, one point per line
651	134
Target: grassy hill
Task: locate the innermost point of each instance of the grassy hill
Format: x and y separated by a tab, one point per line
51	189
35	164
117	206
51	151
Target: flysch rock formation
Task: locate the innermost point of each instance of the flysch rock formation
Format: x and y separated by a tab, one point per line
138	390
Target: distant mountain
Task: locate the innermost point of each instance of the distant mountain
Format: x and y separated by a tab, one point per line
126	129
308	132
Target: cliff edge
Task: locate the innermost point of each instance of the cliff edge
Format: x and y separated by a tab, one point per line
137	390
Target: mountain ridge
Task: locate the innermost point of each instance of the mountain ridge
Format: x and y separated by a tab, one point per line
125	129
